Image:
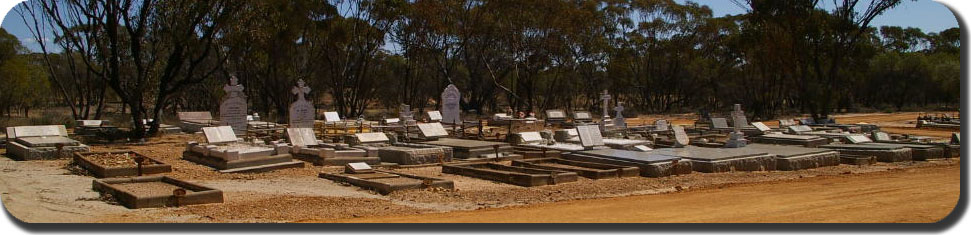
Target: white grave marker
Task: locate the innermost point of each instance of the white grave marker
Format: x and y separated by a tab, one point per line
761	126
219	135
451	109
232	111
590	136
432	129
302	136
332	117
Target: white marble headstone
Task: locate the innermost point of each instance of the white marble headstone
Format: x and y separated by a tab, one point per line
451	109
332	117
233	109
590	136
302	112
373	137
435	116
434	129
220	134
36	131
761	126
302	136
680	137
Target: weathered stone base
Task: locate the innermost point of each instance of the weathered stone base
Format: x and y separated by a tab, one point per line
858	160
952	151
385	182
923	154
755	163
415	154
778	141
808	161
18	151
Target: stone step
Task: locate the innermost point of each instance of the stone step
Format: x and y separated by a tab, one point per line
264	168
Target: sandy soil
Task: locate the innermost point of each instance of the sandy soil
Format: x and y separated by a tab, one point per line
48	191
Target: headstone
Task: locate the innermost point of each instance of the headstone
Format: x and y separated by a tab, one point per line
605	98
738	118
435	116
582	116
391	121
555	114
736	139
302	136
36	131
590	136
302	112
501	116
787	122
719	123
799	129
358	168
662	125
90	123
642	148
220	134
955	138
680	137
807	121
332	117
232	110
451	109
404	113
432	129
880	136
761	126
194	116
858	139
619	116
373	137
531	137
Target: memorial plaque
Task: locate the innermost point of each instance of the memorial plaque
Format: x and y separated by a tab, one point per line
390	121
582	116
858	139
302	136
881	136
233	109
761	126
661	125
555	114
451	109
220	134
680	137
529	137
800	129
432	129
719	123
358	167
90	123
435	116
373	137
36	131
590	136
302	112
332	117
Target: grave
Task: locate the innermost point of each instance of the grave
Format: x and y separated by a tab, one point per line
650	163
119	163
406	116
533	140
156	191
713	160
451	105
787	139
582	117
475	149
790	158
516	175
41	142
799	129
883	153
401	153
572	136
555	116
585	169
919	152
433	116
192	122
305	146
385	182
720	124
233	108
163	128
736	139
302	112
228	154
97	130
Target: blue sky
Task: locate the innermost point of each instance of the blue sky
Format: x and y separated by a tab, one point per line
927	15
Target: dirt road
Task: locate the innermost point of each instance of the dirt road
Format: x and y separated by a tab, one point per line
913	195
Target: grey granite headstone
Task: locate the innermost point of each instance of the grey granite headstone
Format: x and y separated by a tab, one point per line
232	110
302	111
619	116
434	129
761	126
435	116
373	137
302	136
590	136
799	129
219	135
880	136
451	109
332	117
719	123
680	137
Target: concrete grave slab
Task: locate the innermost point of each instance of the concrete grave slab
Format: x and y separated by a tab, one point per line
649	163
522	176
711	160
585	169
789	158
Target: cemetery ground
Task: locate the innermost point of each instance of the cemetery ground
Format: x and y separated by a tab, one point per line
920	191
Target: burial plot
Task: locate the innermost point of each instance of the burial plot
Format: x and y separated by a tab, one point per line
475	149
401	153
302	112
432	130
224	153
650	163
534	140
385	182
233	108
883	153
120	163
156	191
192	122
97	130
790	158
585	169
41	142
572	136
713	160
582	117
516	175
451	109
919	152
555	116
305	146
787	139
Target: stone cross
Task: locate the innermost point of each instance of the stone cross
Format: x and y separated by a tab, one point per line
301	90
605	97
619	117
738	116
302	112
233	108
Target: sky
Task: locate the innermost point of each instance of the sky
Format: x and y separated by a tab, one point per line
927	15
